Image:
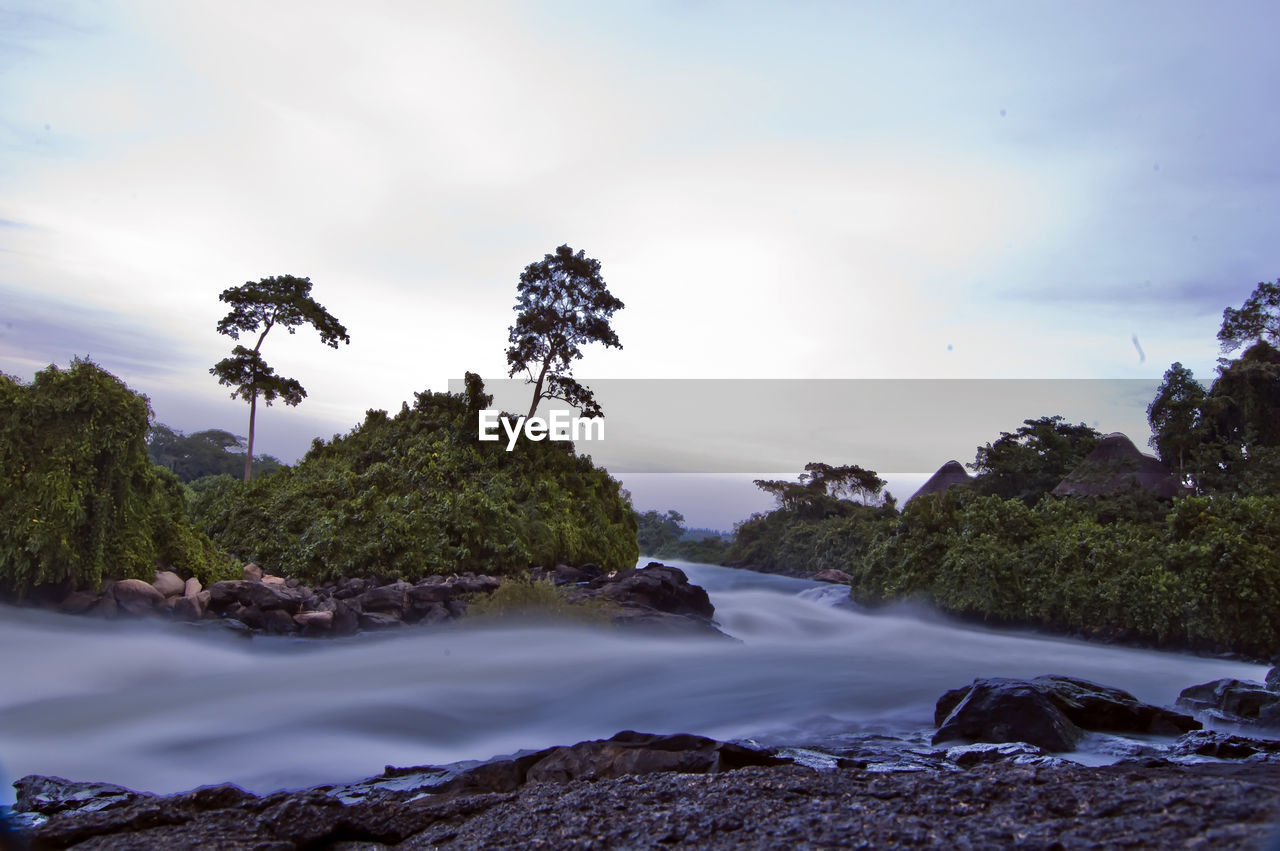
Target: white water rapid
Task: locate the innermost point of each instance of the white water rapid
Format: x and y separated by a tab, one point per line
165	707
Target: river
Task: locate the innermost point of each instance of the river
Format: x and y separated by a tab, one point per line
165	707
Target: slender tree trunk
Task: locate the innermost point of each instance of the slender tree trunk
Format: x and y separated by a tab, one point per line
248	457
537	388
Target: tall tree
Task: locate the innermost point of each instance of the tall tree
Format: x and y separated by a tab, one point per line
1258	319
563	304
1030	462
285	301
1174	415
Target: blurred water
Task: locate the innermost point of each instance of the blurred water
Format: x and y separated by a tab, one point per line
166	707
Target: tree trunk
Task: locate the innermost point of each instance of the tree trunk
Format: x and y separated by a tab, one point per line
537	388
248	457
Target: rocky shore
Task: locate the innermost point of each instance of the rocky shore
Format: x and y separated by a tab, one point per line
656	596
994	777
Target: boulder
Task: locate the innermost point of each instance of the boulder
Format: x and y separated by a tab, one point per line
1096	707
388	598
468	583
346	618
563	574
278	622
277	581
252	572
657	586
1238	701
1005	710
253	594
168	583
191	587
1273	679
1221	745
188	608
322	621
78	602
135	596
379	620
832	575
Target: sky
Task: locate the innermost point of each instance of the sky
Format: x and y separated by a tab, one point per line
800	190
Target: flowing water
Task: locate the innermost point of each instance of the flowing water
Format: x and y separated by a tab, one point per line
166	707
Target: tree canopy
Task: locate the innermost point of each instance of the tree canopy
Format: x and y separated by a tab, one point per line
1028	463
285	301
563	304
80	501
1257	320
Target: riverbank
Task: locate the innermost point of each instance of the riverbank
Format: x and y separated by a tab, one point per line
1132	804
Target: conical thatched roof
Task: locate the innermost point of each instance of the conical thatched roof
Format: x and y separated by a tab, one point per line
950	473
1114	466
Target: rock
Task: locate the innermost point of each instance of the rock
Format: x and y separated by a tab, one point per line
422	596
188	608
346	618
563	574
627	753
832	575
1273	679
314	620
1020	753
191	587
277	581
1238	701
278	622
135	596
168	583
1004	710
252	573
379	620
389	598
657	586
51	795
1221	745
78	602
253	594
470	584
1096	707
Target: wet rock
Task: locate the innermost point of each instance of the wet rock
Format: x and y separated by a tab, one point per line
1221	745
981	753
1097	707
834	576
135	596
1273	679
278	622
346	618
168	583
657	586
627	753
1004	710
51	795
468	583
1238	701
253	595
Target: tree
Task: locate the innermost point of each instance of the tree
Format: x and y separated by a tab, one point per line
825	490
285	301
1174	416
563	304
1258	319
1030	462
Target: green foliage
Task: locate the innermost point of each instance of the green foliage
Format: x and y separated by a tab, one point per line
527	598
563	304
212	452
1257	320
658	530
1030	462
795	542
285	301
417	494
80	501
826	491
1174	416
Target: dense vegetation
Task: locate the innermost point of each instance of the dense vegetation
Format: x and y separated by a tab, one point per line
212	452
416	493
1199	570
665	536
79	499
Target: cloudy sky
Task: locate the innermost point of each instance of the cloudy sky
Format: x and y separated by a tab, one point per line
775	190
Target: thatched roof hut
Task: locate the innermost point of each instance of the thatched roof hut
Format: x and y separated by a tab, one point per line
1115	465
949	474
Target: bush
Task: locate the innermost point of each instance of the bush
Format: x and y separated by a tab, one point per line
80	501
526	598
416	494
